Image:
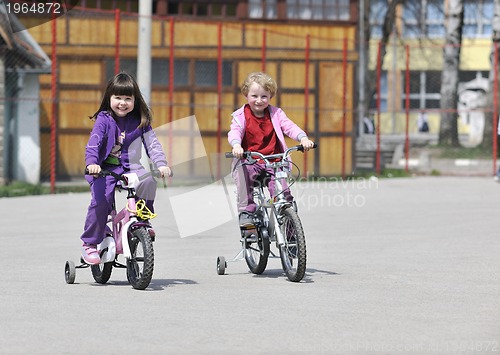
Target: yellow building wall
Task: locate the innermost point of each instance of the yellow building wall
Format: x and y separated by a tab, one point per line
86	43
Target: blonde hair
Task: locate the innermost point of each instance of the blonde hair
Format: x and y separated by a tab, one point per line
264	80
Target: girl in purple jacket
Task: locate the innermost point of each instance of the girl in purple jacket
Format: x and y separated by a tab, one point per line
259	127
122	126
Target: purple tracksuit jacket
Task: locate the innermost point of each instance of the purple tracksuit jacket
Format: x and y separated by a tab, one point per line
102	139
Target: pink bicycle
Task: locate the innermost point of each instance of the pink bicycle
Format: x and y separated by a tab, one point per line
128	236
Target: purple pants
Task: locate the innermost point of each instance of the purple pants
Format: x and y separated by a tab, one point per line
102	197
246	175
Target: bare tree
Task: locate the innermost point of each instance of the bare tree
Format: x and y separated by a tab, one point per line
488	119
387	29
448	130
454	20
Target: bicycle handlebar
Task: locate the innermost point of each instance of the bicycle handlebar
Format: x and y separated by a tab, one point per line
249	154
121	177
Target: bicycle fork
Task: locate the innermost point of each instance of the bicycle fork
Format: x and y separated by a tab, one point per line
274	226
131	206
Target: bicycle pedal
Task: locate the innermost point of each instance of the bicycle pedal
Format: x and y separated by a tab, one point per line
251	238
248	226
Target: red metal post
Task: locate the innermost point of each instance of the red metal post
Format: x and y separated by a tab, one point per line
171	87
306	95
171	72
407	107
495	107
117	41
344	103
264	48
219	98
377	128
53	96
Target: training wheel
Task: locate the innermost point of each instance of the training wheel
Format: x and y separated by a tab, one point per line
69	272
221	265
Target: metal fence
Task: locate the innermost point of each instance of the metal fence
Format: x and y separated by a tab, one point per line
197	68
406	108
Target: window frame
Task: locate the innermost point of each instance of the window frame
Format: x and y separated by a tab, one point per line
479	21
331	10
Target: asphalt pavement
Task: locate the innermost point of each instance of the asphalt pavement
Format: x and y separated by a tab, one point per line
406	265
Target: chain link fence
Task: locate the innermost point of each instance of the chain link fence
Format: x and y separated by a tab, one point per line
197	69
406	111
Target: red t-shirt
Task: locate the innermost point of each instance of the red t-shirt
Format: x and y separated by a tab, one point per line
259	133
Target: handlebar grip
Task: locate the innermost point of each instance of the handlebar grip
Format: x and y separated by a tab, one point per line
102	173
246	155
300	148
105	172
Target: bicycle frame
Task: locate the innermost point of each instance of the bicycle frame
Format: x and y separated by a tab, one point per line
121	221
275	220
128	235
281	172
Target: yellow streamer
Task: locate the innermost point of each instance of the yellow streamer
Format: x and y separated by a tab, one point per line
142	211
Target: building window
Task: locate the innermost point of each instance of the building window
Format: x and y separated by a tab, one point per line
201	9
123	5
159	69
478	15
383	94
412	20
205	73
434	20
378	9
263	9
425	90
318	9
424	18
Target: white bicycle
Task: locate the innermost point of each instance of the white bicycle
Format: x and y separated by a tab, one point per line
276	220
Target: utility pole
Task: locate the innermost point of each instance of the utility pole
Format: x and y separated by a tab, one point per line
361	66
144	49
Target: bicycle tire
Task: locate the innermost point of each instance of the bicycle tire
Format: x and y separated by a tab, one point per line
69	272
293	253
257	253
102	272
141	264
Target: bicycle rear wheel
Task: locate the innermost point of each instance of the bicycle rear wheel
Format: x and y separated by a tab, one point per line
140	266
293	252
257	251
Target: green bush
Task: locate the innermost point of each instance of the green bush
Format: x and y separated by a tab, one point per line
17	188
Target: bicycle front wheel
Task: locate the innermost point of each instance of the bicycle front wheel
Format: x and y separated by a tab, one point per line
293	252
140	266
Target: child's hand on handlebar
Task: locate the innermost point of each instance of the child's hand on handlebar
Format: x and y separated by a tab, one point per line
306	143
165	171
93	169
237	151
